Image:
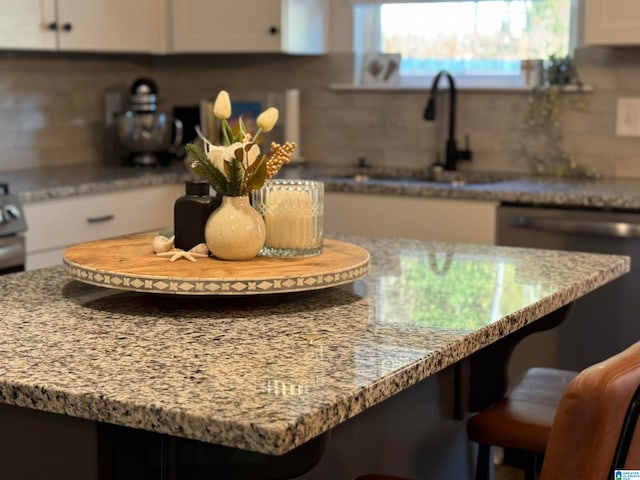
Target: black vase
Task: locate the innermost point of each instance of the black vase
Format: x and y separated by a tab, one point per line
190	213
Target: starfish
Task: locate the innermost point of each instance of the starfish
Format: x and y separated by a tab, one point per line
178	253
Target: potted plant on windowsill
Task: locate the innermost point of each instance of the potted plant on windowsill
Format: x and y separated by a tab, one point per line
543	146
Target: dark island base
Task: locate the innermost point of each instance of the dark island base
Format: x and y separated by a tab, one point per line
486	372
130	454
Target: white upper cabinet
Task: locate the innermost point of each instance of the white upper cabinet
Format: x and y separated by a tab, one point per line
28	24
243	26
112	25
161	26
84	25
611	22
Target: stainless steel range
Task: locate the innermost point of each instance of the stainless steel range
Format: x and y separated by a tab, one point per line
12	226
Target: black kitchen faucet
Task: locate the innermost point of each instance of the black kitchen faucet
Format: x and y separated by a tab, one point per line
452	154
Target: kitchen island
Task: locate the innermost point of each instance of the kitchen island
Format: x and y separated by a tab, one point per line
266	376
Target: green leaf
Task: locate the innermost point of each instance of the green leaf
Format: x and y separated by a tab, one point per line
258	175
194	152
242	129
218	181
255	165
199	170
234	170
228	136
239	154
203	167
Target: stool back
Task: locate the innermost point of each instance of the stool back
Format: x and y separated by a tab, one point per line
594	430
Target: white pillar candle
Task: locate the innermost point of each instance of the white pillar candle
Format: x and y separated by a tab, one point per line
293	212
289	218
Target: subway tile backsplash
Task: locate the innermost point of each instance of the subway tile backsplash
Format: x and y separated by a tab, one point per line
52	109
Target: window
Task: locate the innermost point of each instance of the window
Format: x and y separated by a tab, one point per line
481	42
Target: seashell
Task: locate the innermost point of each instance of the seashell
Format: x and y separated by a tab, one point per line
162	244
200	248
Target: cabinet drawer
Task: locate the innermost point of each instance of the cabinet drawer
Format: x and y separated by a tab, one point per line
60	223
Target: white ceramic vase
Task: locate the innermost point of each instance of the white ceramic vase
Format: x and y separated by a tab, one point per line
235	230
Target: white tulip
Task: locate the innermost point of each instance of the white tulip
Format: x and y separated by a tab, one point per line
267	119
222	105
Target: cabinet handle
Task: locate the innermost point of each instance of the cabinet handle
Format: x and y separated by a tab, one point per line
53	26
273	30
67	27
103	218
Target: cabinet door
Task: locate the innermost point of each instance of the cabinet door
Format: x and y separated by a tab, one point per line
435	219
611	22
25	24
226	26
112	25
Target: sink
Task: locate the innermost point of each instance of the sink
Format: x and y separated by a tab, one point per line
453	179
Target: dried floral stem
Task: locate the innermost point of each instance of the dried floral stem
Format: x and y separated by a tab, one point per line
278	156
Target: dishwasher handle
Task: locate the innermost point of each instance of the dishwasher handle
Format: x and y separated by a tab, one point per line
577	227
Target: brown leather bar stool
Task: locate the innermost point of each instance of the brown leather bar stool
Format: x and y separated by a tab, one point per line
521	421
594	429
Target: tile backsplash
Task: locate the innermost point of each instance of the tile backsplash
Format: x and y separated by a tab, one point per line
52	109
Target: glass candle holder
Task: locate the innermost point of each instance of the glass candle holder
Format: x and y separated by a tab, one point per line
293	213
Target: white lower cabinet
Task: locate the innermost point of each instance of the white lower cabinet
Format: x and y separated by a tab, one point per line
55	225
436	219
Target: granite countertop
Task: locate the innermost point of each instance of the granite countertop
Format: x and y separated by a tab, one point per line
623	194
242	372
59	182
35	185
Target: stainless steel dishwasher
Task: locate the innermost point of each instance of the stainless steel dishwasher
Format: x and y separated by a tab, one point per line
601	323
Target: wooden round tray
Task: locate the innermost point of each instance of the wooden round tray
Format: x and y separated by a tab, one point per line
128	263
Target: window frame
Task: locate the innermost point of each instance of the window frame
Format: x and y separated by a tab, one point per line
367	38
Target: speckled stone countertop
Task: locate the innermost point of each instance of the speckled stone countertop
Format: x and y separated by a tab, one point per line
241	372
34	185
59	182
623	194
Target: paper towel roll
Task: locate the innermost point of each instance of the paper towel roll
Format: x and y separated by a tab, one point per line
292	120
